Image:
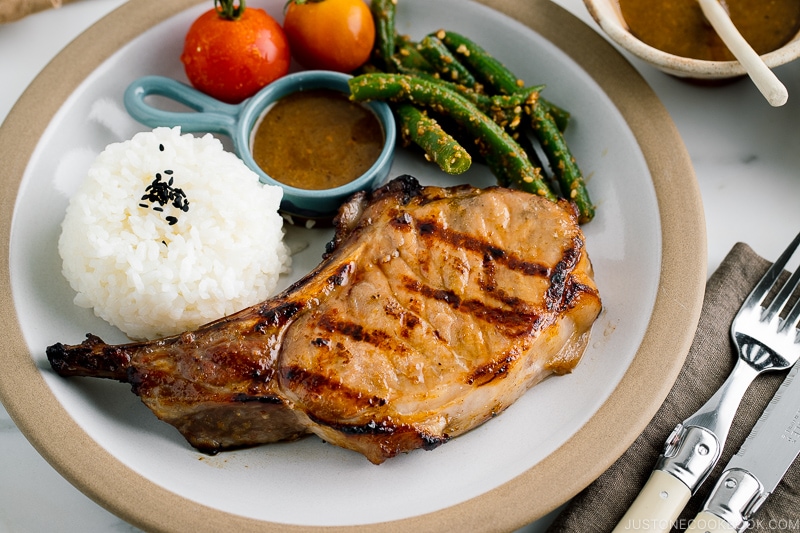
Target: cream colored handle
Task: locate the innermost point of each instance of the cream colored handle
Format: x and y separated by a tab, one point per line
763	78
706	522
658	505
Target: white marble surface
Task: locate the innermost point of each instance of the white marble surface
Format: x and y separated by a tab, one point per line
746	155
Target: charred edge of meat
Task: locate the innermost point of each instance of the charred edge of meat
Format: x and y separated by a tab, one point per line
246	398
346	220
341	276
208	449
278	316
404	188
377	429
560	279
83	359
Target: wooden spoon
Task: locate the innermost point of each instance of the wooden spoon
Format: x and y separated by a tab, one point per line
763	78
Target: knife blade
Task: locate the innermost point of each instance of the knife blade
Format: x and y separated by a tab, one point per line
763	459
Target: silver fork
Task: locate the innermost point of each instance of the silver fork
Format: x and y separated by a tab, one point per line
764	341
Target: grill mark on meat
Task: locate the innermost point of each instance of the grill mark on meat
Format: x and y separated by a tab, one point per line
378	338
430	230
488	284
316	383
518	322
497	368
407	320
278	316
559	295
507	299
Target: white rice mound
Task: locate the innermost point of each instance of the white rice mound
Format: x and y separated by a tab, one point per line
151	278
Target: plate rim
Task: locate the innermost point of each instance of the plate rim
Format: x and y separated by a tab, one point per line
533	493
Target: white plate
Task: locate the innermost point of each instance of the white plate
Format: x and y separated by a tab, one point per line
646	243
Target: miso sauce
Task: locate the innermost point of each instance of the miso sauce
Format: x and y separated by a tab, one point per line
680	28
317	139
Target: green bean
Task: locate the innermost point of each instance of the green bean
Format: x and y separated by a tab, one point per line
505	109
439	146
523	138
448	67
561	161
494	73
483	65
544	125
490	137
408	59
560	115
383	13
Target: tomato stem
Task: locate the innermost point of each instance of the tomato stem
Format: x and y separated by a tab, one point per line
228	10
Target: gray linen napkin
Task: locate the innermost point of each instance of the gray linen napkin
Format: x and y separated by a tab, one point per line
711	358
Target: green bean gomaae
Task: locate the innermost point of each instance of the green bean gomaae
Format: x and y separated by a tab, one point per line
451	97
491	139
439	146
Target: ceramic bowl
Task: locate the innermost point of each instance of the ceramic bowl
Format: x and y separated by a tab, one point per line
238	122
607	14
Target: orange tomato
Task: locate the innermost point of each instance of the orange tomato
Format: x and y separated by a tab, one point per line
330	34
231	59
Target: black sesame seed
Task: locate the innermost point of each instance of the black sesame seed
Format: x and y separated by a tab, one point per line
172	221
156	208
168	172
161	147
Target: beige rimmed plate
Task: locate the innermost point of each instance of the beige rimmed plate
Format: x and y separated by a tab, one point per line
647	245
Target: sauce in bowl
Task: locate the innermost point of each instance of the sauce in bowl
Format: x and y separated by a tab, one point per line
317	139
679	27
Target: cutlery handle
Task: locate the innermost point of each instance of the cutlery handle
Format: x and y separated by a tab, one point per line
657	506
736	496
706	522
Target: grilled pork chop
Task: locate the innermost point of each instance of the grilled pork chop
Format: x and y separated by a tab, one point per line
433	310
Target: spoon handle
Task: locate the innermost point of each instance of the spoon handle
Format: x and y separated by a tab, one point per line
763	78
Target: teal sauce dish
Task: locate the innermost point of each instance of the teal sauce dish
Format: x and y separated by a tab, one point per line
239	121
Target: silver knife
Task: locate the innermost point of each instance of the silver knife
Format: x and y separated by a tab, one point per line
760	464
765	341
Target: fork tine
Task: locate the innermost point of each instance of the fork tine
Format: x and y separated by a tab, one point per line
782	297
766	283
791	318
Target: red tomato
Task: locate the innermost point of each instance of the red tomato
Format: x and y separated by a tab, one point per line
232	58
330	34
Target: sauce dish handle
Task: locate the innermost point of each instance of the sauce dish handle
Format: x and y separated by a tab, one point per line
210	115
